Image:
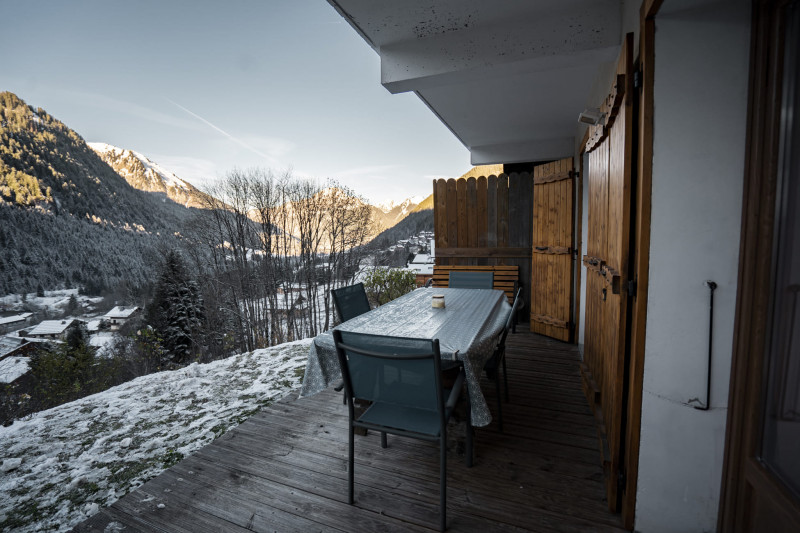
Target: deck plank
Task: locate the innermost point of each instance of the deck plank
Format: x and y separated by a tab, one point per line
285	468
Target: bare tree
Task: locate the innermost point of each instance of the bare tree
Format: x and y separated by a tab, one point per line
275	247
347	228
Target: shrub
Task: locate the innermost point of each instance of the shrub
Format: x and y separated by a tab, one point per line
385	284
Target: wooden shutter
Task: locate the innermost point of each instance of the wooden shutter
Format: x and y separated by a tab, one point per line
610	152
551	265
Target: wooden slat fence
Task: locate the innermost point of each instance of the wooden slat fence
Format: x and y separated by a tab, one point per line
485	221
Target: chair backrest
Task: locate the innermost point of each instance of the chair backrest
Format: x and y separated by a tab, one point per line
471	280
350	301
510	319
401	371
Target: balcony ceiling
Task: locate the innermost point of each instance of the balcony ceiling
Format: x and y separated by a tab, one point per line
508	77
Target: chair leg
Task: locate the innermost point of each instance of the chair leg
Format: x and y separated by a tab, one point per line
505	378
499	400
340	387
470	434
384	444
350	459
443	480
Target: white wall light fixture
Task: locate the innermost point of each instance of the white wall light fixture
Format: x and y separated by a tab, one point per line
592	117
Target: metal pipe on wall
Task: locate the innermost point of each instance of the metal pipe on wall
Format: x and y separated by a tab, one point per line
712	286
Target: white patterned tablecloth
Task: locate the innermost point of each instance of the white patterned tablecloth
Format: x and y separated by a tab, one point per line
467	328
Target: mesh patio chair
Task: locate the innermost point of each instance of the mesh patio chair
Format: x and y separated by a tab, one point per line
350	301
492	366
471	280
402	379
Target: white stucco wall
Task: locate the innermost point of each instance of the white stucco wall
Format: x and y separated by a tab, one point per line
701	77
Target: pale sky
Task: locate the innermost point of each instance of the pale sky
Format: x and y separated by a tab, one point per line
202	87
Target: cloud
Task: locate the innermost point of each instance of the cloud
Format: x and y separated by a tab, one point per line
377	170
197	171
270	158
274	146
129	108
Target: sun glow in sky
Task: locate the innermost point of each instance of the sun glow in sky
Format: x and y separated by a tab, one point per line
203	87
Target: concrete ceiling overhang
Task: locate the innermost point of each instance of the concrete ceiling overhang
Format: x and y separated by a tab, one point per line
507	77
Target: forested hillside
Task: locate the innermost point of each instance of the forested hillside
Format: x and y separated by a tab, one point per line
69	218
66	218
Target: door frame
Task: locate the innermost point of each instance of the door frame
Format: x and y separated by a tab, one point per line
754	282
639	271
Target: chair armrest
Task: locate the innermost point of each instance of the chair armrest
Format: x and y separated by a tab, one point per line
455	391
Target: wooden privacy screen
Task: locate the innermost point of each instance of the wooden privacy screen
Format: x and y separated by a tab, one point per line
551	266
485	221
610	152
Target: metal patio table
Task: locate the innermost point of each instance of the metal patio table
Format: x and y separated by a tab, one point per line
467	329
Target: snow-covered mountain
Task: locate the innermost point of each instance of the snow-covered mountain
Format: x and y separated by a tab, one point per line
407	204
385	215
146	175
393	212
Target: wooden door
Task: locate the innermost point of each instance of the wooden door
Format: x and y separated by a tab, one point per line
609	146
761	479
551	266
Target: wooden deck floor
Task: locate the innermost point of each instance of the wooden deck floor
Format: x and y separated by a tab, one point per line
284	469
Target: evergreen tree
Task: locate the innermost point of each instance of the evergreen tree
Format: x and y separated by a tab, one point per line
73	306
176	312
65	372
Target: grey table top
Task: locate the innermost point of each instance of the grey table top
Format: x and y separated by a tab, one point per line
467	329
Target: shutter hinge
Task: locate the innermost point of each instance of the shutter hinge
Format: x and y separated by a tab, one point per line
632	287
637	79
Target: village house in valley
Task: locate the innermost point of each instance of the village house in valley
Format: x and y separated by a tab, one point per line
51	329
12	322
14	357
119	315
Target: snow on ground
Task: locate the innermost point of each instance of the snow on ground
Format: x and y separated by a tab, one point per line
62	465
52	301
103	341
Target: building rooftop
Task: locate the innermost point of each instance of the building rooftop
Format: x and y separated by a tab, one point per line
15	318
12	368
9	344
422	259
121	312
51	327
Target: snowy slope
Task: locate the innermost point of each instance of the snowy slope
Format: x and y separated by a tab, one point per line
61	465
146	175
